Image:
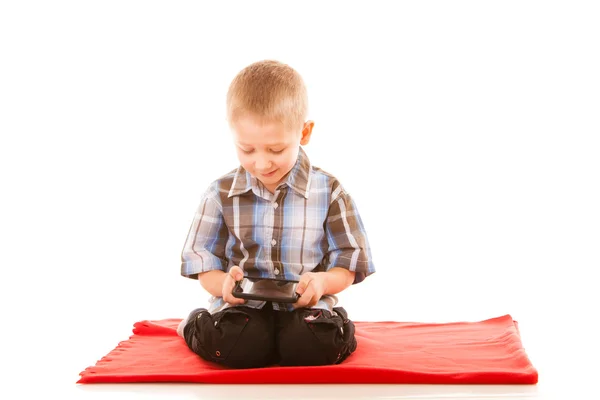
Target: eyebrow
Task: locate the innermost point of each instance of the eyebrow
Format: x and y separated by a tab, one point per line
268	145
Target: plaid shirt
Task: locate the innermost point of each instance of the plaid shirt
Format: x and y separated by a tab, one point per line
309	224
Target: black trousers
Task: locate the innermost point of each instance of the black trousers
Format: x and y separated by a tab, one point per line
244	337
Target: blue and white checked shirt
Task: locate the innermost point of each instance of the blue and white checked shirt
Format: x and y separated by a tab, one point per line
309	224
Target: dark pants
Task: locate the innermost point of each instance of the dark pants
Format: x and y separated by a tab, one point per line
243	337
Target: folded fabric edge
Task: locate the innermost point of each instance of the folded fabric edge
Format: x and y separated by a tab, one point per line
347	375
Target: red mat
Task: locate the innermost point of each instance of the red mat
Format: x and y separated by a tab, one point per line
485	352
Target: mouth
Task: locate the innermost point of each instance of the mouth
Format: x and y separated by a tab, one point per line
269	174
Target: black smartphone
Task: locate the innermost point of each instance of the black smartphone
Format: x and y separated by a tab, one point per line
276	290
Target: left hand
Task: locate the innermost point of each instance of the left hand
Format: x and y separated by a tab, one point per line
310	288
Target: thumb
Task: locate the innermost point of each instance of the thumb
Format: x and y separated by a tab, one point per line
236	273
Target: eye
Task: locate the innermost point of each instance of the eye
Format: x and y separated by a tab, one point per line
277	151
247	151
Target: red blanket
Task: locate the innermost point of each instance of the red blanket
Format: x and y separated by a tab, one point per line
486	352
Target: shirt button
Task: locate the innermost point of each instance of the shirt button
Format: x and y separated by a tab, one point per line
276	272
273	242
275	205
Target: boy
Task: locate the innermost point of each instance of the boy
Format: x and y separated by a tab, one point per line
276	216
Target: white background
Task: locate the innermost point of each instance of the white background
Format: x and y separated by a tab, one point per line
467	132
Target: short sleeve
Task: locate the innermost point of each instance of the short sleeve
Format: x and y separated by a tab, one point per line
347	239
204	248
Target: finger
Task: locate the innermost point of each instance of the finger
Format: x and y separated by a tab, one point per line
234	300
228	286
303	284
302	302
307	298
311	295
236	273
229	298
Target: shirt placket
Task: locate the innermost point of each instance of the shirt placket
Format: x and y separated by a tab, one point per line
277	232
270	241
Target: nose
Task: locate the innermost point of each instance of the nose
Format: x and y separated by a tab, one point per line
262	164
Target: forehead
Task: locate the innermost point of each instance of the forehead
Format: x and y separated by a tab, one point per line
250	131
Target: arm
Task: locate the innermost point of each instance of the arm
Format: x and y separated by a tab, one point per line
349	254
336	280
220	284
348	244
204	248
212	282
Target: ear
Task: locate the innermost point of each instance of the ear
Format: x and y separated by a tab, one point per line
306	132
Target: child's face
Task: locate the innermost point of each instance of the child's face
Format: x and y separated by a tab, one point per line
268	151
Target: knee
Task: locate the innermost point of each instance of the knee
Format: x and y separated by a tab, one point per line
315	337
237	337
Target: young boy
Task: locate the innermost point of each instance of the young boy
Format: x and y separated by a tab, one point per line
276	216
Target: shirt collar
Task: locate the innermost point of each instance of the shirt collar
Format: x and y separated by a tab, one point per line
298	178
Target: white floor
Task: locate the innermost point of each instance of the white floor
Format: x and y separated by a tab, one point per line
309	392
544	390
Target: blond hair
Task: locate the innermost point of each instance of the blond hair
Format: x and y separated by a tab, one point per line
269	91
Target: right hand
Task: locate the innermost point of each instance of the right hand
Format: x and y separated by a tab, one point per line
235	274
